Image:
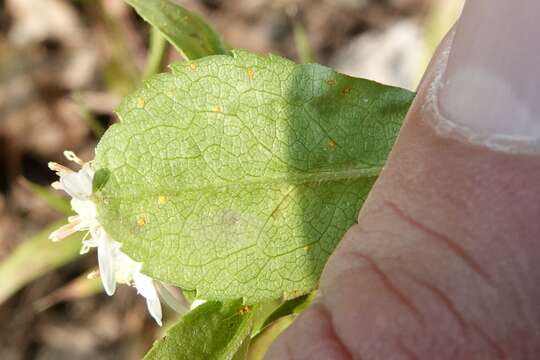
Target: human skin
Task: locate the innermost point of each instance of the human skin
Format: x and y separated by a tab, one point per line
444	262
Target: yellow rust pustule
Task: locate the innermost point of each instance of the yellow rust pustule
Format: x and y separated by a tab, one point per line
251	73
346	90
331	82
162	199
141	221
140	103
331	144
245	310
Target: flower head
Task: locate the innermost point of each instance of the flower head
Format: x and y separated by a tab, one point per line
114	265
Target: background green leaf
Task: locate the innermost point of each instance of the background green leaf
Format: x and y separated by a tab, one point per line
238	175
212	331
50	197
36	257
188	32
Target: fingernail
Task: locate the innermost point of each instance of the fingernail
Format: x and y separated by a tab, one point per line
487	91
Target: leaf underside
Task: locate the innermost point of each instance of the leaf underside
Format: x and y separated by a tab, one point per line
236	176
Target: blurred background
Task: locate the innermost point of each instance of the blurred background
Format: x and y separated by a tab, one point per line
64	67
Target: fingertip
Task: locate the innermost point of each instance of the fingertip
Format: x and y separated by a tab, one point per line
485	92
311	337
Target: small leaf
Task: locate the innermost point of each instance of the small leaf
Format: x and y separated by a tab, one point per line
236	176
261	312
293	306
212	331
188	32
100	179
262	342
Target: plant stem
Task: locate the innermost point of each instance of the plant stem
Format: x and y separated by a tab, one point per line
156	54
301	40
91	120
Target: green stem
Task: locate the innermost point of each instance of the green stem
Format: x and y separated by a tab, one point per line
158	48
91	120
301	40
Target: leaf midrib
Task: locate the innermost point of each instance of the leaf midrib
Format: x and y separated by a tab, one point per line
297	180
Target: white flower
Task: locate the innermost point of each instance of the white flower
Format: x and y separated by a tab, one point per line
79	186
114	265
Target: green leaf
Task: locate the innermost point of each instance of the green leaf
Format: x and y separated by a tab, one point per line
212	331
238	175
188	32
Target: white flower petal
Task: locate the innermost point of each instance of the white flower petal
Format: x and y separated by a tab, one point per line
85	208
88	244
60	170
57	185
70	155
125	267
87	214
145	287
84	249
154	308
77	184
106	263
176	302
196	303
63	232
89	169
74	219
114	265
